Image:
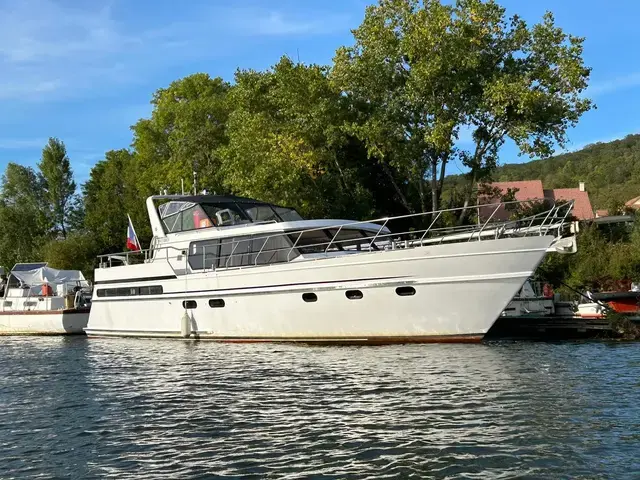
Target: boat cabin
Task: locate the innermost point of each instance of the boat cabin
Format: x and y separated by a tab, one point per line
205	232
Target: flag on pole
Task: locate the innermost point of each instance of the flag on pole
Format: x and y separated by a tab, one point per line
132	238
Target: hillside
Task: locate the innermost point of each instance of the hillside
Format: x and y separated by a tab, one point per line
610	170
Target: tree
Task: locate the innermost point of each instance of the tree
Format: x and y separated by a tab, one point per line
59	186
109	195
420	70
529	85
186	128
24	220
76	252
286	144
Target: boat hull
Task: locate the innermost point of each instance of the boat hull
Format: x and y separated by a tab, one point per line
444	293
63	322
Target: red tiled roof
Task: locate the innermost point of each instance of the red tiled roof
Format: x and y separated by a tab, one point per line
634	202
582	208
527	190
532	189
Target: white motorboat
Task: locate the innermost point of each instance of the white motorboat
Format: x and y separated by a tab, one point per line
41	300
235	269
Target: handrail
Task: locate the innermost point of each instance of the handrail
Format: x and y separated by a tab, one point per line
383	238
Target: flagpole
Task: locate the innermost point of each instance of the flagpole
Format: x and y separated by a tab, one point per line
134	233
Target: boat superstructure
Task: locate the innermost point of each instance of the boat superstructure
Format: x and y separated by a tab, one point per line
38	299
236	269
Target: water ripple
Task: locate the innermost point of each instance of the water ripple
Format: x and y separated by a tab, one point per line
79	408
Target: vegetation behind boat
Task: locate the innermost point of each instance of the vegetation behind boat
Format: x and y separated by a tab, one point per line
327	141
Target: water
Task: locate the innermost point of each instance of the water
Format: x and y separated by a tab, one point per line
78	408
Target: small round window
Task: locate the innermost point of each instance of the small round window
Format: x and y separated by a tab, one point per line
353	294
405	291
309	297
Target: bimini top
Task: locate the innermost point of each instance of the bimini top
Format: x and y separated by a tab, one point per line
181	213
42	274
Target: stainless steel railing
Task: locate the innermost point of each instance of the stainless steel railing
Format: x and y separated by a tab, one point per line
289	244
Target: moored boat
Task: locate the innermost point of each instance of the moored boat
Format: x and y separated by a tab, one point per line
40	300
236	269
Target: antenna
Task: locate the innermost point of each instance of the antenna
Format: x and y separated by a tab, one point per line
195	188
182	183
298	52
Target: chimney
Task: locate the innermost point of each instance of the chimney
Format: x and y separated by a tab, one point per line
582	187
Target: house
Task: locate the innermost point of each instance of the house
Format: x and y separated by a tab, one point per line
532	191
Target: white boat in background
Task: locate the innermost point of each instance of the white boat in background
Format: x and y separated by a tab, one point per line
41	300
239	270
532	301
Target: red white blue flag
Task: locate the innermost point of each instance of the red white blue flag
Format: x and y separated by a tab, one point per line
132	238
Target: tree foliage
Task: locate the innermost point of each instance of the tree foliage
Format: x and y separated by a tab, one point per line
422	70
58	185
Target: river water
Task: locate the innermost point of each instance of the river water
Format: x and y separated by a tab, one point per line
102	408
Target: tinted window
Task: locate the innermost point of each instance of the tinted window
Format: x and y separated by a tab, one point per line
287	214
240	251
261	213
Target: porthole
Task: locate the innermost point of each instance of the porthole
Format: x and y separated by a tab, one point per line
309	297
353	294
405	291
190	304
216	303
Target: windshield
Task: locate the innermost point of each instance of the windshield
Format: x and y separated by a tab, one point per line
181	216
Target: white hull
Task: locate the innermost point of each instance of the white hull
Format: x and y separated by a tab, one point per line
43	323
460	290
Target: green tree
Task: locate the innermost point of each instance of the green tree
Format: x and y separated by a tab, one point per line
420	70
24	220
59	186
286	144
76	252
109	195
186	128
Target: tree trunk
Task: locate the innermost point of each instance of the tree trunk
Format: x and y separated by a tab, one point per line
403	199
435	191
467	197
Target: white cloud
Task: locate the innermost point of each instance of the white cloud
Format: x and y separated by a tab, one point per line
50	50
22	143
257	22
615	84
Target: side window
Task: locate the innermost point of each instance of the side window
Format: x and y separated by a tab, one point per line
255	250
204	254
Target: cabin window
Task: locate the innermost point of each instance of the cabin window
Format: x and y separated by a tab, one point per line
288	214
353	294
130	291
309	297
261	213
151	290
8	303
30	304
240	251
191	304
216	303
405	291
317	241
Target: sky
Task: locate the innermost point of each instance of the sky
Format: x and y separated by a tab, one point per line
85	71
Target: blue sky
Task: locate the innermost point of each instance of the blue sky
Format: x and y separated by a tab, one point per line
85	71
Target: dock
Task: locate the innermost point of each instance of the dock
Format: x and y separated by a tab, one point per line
551	327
